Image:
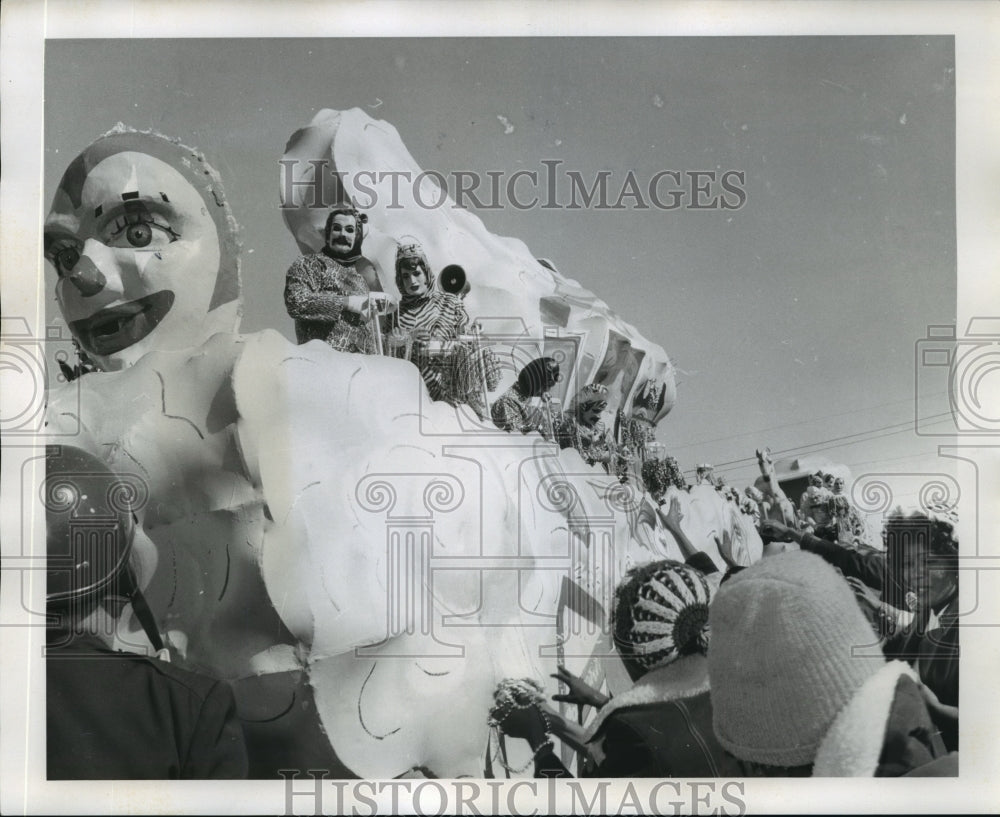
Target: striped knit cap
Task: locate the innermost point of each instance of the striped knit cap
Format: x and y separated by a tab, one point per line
781	664
661	613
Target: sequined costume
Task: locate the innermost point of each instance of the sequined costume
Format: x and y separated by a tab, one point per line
511	413
316	290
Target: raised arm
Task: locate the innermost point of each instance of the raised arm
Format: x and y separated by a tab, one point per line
866	565
451	321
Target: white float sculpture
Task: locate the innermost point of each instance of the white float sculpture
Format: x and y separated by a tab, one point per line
321	526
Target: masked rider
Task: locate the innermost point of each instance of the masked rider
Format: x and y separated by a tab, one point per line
330	294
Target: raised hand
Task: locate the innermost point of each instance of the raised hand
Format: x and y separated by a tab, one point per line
776	531
580	692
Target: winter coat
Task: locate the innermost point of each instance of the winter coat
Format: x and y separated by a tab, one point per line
661	727
884	731
121	716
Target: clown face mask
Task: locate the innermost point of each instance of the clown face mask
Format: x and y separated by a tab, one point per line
343	239
144	249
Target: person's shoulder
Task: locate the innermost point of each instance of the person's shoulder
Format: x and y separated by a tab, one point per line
626	724
453	301
183	681
310	260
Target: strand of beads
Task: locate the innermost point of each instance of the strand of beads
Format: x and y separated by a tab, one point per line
511	694
516	694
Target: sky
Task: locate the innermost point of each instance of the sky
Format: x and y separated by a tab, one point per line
793	321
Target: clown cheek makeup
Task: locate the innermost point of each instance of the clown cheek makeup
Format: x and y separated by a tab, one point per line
142	294
96	287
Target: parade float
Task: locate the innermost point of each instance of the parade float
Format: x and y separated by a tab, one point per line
362	563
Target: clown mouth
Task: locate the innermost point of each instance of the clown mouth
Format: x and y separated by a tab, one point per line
118	327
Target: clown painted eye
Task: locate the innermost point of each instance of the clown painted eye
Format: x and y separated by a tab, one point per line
139	235
137	228
66	258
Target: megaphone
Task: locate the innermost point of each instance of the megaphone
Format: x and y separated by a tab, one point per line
454	281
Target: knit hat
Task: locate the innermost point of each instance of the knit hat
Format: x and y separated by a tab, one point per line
661	613
781	665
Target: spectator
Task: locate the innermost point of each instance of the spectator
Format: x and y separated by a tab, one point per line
777	505
117	715
791	693
909	590
662	725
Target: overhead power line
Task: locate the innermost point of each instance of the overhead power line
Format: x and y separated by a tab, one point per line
822	418
834	442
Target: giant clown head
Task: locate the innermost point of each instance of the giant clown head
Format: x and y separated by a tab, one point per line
145	248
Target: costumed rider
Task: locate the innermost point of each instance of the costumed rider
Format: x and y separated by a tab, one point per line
848	527
111	714
581	426
455	368
514	411
814	505
634	432
331	294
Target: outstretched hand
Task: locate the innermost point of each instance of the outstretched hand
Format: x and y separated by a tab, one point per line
673	517
725	547
771	530
580	692
867	598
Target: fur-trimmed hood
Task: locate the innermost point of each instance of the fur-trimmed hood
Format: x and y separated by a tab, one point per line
883	730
